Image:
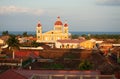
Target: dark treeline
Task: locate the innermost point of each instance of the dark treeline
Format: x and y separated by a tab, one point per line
97	36
105	36
75	36
24	34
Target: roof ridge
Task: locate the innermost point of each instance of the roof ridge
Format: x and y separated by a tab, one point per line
18	73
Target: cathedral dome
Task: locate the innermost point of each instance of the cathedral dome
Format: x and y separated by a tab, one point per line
58	22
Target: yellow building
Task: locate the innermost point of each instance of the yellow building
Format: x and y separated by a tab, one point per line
69	44
87	44
1	42
60	32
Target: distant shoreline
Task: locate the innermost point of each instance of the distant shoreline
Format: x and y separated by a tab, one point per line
72	32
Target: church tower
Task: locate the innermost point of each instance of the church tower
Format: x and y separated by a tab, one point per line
65	29
39	31
58	26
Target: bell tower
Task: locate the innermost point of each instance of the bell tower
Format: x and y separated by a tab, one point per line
39	31
65	29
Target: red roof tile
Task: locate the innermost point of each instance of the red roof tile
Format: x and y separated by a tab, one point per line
70	41
10	74
34	39
29	73
27	53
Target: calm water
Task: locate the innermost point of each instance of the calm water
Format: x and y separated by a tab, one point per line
78	33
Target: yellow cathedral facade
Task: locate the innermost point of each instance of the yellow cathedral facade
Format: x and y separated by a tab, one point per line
60	32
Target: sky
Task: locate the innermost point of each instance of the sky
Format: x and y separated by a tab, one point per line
81	15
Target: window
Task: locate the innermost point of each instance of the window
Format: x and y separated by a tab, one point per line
46	38
38	36
65	31
38	31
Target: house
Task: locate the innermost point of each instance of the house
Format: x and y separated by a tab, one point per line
105	47
70	43
2	42
88	44
10	62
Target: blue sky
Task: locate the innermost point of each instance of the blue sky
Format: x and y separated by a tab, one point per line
81	15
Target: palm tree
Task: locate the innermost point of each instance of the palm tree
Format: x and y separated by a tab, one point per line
85	65
13	44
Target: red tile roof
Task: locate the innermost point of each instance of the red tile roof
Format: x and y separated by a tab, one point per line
70	41
29	73
27	53
34	39
11	74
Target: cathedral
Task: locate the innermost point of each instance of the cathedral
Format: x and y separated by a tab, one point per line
60	32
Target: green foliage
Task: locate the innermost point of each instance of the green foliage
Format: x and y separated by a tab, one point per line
75	36
3	56
5	33
106	36
34	44
70	56
118	60
26	62
85	65
57	66
25	34
54	66
102	36
13	42
86	36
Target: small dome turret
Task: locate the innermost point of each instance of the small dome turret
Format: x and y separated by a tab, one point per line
39	24
66	24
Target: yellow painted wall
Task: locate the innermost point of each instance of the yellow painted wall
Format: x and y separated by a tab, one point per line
87	44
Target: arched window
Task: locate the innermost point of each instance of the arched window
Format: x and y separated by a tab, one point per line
38	31
67	46
38	36
62	46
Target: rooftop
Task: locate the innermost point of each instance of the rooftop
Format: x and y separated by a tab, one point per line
53	74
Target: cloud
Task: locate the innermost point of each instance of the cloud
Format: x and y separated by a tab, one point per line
108	2
15	9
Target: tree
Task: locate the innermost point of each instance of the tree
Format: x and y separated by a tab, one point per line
34	44
5	33
25	34
75	36
13	44
85	65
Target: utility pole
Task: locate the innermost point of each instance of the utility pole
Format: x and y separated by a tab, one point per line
118	55
118	59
